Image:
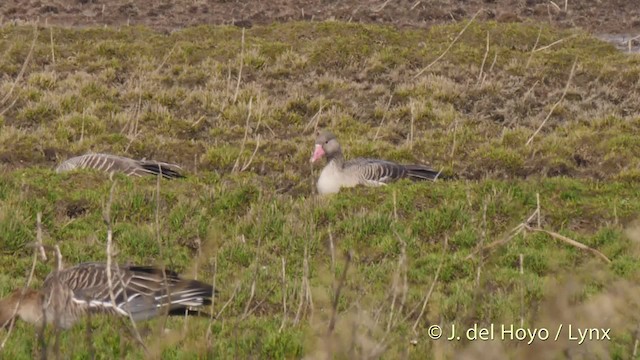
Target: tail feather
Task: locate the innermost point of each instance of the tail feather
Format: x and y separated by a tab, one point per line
194	291
164	169
420	172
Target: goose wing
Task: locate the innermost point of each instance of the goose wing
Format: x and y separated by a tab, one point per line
375	172
113	163
142	291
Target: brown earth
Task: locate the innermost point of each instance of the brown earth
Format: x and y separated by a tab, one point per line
595	16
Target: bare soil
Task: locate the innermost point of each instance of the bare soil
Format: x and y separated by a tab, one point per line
595	16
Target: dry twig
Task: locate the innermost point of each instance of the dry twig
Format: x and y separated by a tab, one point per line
11	323
535	45
284	296
564	93
524	226
236	164
24	67
450	45
384	116
433	284
484	59
337	290
235	95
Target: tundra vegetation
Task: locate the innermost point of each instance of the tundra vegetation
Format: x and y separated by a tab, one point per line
537	127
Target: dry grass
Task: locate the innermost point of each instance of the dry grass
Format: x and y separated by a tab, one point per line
237	108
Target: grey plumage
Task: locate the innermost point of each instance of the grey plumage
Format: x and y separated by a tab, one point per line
141	292
113	163
371	172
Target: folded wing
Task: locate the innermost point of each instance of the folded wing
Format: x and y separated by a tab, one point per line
113	163
143	292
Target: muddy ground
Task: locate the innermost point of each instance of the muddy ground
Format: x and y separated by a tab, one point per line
620	17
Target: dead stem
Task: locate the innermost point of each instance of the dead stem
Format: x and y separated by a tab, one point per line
244	139
254	279
24	66
484	60
483	238
235	95
564	93
284	295
384	116
11	324
337	290
209	335
433	284
450	45
521	262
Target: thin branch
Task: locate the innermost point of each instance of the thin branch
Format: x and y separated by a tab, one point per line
573	69
384	116
512	233
209	334
395	285
314	119
266	297
284	296
332	249
59	263
450	45
381	7
43	254
534	48
569	241
24	66
235	291
484	60
433	284
305	287
157	229
246	134
110	279
337	290
255	278
164	61
413	118
248	163
482	241
53	53
521	290
235	95
555	43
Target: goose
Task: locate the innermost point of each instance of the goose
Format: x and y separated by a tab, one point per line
113	163
339	173
140	292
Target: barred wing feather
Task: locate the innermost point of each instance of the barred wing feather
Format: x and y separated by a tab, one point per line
141	291
113	163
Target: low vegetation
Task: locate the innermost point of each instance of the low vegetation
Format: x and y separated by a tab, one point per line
525	119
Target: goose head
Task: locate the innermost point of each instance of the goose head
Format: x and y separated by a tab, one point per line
326	145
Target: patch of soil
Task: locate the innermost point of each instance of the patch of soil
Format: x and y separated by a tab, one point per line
76	208
596	16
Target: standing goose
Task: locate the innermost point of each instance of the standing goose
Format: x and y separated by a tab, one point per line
140	291
113	163
339	173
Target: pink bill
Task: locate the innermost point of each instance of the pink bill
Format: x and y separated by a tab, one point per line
317	153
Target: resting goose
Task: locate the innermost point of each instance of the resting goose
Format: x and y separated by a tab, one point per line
140	291
339	173
113	163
